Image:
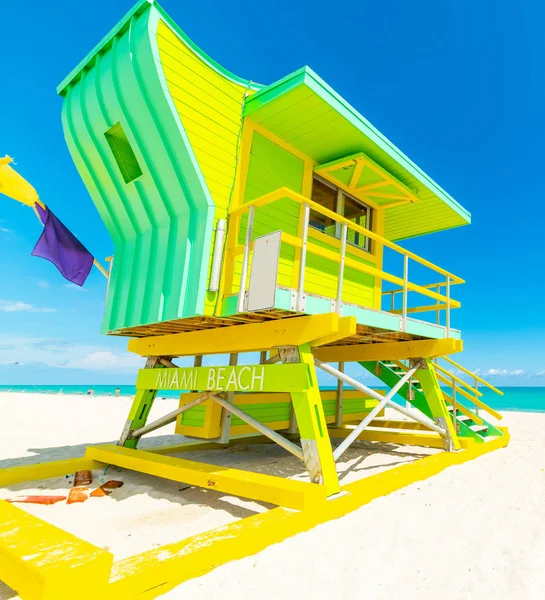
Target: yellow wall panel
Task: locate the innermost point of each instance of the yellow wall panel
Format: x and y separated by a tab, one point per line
210	108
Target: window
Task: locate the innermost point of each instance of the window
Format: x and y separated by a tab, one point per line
123	153
333	198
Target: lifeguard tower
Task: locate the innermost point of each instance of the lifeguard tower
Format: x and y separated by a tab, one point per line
252	218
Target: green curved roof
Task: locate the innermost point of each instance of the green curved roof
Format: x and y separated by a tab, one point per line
139	7
307	113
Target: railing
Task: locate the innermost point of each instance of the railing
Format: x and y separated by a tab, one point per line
437	307
460	387
470	392
443	301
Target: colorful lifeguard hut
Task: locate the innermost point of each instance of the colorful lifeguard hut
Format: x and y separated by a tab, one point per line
252	218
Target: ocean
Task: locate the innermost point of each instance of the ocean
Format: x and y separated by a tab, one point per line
526	399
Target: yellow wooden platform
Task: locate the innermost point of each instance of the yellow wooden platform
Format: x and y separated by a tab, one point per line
256	486
43	562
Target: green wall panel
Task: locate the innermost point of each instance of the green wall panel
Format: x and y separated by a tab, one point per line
160	221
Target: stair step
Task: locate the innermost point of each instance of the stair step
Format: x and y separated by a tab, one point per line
463	418
478	428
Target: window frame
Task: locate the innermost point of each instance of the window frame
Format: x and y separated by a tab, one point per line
339	209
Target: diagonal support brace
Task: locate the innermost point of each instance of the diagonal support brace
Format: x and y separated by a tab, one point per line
166	419
411	413
267	431
349	440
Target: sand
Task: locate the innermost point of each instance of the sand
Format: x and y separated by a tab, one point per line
476	530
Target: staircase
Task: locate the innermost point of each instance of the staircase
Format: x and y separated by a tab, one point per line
468	422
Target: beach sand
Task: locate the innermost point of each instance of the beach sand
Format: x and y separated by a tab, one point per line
474	530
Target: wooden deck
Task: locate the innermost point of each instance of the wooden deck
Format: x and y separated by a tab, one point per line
365	334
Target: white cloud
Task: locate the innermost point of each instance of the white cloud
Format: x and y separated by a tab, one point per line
106	360
541	373
19	306
62	354
43	284
505	372
5	230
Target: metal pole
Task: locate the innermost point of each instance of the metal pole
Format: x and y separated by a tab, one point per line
301	282
414	414
270	433
245	260
405	289
347	442
216	260
438	310
448	307
341	269
339	411
169	418
226	416
454	409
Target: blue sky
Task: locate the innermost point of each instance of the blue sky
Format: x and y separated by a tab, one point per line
454	84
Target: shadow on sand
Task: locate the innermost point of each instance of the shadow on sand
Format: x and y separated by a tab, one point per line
362	458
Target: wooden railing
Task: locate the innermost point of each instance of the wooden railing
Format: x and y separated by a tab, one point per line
443	301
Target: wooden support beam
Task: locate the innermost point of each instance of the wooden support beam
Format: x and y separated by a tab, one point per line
436	400
58	468
241	338
160	569
347	327
428	439
389	350
309	413
265	488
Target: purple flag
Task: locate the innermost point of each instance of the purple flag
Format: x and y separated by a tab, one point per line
58	245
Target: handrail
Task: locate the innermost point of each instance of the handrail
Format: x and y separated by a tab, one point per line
428	285
304	245
463	409
480	379
461	390
362	267
475	399
458	380
284	192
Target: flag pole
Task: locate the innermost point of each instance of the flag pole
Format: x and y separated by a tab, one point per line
101	268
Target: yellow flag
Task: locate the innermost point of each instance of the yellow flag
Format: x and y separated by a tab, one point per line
15	186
